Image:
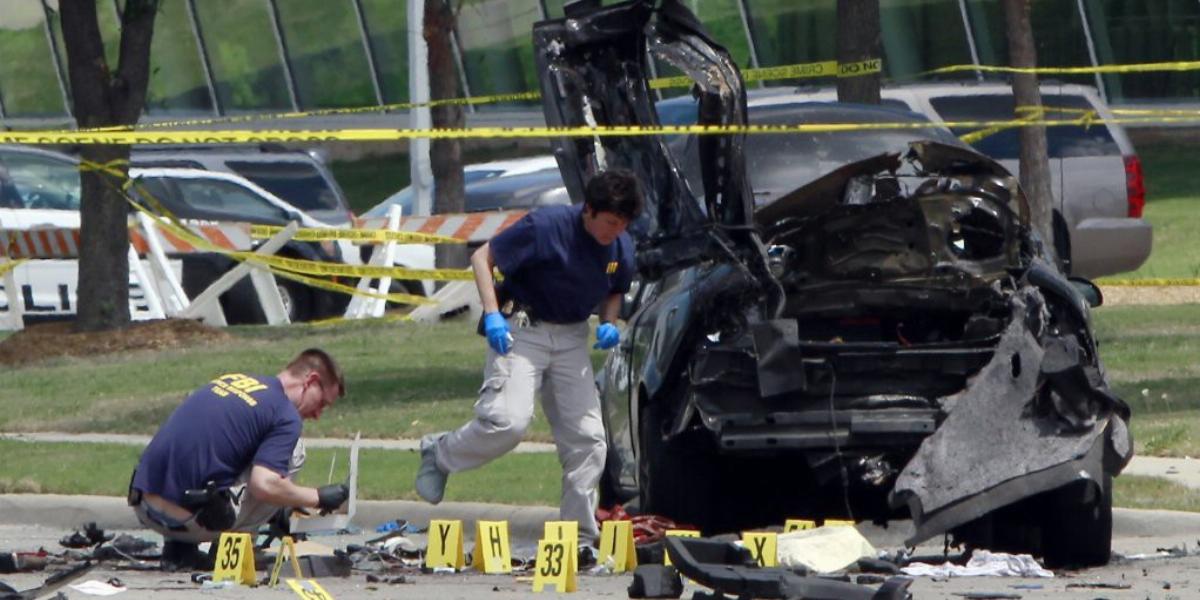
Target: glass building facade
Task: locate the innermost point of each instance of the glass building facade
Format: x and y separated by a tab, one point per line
225	57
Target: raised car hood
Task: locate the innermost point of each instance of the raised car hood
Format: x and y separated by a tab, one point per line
594	74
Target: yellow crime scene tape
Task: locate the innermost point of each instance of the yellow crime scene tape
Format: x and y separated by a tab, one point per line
318	234
1149	282
360	135
827	68
9	265
1192	65
793	71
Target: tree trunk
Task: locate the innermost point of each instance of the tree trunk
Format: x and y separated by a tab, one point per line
858	36
445	155
1034	164
102	98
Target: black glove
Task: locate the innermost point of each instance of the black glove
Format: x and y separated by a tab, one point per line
329	497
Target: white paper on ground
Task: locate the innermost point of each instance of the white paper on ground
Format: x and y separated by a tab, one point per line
824	549
94	587
982	564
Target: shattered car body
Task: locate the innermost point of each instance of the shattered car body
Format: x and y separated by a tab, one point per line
888	339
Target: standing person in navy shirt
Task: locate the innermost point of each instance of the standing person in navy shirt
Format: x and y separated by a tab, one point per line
559	263
224	460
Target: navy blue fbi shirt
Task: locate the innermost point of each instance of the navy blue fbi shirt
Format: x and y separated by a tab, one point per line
220	430
553	265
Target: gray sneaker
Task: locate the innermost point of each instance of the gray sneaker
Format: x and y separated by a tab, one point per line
431	480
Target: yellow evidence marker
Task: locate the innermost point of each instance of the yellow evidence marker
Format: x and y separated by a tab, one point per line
308	589
798	525
492	552
690	533
235	559
555	565
763	546
445	547
838	523
286	547
616	544
568	532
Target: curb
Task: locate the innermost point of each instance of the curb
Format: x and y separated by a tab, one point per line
524	522
70	512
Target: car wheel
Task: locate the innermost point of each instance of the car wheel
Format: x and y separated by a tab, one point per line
1078	527
297	300
675	477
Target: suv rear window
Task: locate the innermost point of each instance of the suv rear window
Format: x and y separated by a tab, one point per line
1062	141
300	184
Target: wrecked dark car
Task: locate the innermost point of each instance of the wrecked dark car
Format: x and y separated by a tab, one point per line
891	340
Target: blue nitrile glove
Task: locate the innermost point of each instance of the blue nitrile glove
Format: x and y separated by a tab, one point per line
607	336
495	327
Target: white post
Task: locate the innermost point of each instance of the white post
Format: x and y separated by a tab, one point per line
384	256
13	320
175	300
226	281
269	296
378	305
149	290
420	171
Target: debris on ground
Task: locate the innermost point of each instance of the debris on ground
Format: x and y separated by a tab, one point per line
824	549
95	587
1099	585
982	564
655	581
88	536
988	595
730	569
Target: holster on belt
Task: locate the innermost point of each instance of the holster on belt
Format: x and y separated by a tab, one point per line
213	506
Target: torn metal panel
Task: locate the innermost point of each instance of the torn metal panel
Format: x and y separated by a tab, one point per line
729	569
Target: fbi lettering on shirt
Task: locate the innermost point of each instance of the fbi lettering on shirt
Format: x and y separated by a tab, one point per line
238	385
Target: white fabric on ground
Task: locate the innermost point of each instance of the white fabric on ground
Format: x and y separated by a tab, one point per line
982	564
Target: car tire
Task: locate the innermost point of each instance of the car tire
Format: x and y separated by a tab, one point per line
1077	531
297	300
675	478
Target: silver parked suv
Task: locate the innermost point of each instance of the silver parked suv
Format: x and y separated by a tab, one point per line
1098	187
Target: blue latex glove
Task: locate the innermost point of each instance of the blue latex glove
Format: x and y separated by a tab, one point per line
495	327
607	336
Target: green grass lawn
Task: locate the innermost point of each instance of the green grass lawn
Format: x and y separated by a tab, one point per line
403	380
104	470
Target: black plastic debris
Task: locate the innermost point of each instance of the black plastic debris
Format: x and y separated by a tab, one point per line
127	547
656	581
1098	585
88	536
398	579
878	565
51	583
729	569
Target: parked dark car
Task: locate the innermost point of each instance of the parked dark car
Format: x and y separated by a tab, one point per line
890	340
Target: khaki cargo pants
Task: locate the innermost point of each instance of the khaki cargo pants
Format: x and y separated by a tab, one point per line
552	359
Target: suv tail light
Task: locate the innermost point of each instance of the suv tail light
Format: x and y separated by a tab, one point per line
1135	186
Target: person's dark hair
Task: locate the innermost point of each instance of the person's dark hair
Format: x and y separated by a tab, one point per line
615	191
316	359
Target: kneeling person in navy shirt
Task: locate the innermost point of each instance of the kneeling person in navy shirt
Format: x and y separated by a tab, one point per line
225	459
559	263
